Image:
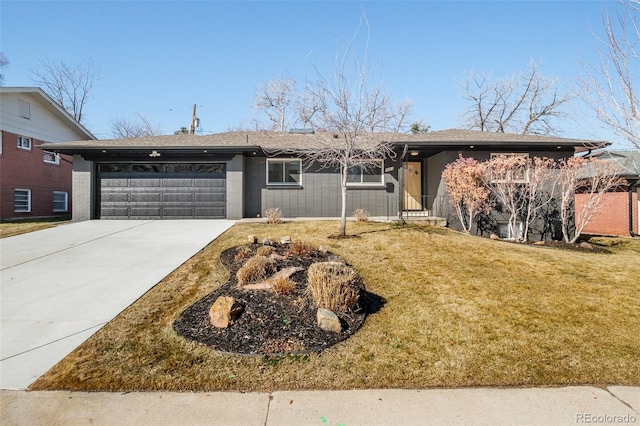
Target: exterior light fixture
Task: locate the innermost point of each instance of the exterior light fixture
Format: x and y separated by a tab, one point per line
472	146
154	154
414	153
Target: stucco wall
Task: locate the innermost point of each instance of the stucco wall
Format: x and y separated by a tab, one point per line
83	189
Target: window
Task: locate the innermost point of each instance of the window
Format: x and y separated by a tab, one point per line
510	232
284	172
514	170
113	168
60	201
145	168
209	168
51	158
24	109
366	174
22	200
24	142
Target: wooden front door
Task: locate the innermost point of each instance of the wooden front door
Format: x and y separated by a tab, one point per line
412	185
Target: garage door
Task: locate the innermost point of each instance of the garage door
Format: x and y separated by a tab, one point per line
162	191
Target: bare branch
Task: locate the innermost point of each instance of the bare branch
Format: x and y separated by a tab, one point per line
137	126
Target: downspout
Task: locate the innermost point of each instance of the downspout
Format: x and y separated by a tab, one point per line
630	192
401	184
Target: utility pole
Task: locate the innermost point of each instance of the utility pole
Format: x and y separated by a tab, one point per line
194	119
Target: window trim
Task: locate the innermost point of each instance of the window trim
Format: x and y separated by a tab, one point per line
525	155
21	145
56	157
369	184
283	161
66	201
519	230
28	191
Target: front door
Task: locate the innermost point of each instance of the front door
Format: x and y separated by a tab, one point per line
412	185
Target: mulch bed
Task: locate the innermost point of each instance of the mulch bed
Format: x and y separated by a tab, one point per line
271	324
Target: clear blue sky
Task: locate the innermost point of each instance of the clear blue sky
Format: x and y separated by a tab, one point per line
158	58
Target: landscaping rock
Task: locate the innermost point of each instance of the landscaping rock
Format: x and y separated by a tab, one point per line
586	245
285	240
337	259
253	239
328	321
224	311
494	237
539	243
267	242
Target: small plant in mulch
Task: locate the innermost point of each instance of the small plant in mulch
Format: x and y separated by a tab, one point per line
278	318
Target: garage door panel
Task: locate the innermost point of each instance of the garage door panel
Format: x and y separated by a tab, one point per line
179	196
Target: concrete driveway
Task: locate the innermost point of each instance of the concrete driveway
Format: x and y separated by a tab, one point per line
60	285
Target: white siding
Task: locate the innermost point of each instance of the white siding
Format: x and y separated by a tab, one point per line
43	125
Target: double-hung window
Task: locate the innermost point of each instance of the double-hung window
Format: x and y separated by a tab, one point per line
22	200
284	171
369	173
60	201
24	142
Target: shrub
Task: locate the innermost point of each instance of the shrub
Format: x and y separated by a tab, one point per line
361	215
300	249
274	215
256	269
333	286
265	251
283	285
242	254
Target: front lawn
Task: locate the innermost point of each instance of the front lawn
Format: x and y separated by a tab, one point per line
458	311
11	228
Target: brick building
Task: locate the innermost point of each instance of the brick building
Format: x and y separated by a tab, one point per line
33	182
619	213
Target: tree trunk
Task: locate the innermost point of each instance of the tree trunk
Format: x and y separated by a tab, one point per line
343	217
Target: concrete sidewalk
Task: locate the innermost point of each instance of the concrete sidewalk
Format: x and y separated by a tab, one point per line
58	286
470	406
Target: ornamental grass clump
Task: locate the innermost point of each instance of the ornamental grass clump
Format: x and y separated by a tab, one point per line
242	254
282	286
274	215
265	251
300	249
334	286
361	215
257	268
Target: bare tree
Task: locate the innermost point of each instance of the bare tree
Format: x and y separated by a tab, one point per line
69	85
354	122
526	103
276	99
3	63
590	179
136	126
539	190
465	183
610	87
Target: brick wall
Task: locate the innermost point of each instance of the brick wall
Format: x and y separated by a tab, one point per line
613	217
26	169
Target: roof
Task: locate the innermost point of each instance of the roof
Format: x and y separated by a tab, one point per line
52	106
271	140
629	161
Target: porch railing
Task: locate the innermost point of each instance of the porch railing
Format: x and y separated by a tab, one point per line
423	206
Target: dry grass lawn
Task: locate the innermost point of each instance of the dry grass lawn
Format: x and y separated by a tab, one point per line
459	311
9	229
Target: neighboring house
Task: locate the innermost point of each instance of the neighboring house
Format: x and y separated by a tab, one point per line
619	212
231	175
34	182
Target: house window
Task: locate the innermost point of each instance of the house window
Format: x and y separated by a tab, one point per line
510	232
22	200
51	158
24	142
516	171
60	201
366	174
24	109
284	172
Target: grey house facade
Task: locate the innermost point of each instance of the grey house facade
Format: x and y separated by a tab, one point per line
242	174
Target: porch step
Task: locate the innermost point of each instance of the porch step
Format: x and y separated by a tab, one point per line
426	220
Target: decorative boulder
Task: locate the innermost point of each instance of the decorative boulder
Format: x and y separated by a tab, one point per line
586	245
224	311
252	239
494	237
285	240
328	321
